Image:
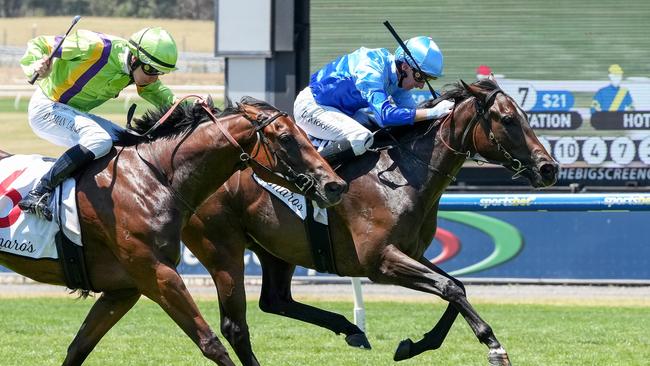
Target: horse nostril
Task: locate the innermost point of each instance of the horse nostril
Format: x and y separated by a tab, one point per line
548	171
336	187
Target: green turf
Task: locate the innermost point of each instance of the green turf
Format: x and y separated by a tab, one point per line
37	332
532	39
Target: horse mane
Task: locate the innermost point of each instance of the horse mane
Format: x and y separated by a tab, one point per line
183	120
458	93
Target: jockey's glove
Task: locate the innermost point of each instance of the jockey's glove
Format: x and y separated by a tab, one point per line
440	110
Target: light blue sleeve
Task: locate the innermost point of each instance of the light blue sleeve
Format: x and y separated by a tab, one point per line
371	79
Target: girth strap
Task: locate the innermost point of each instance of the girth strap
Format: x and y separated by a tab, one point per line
318	236
71	257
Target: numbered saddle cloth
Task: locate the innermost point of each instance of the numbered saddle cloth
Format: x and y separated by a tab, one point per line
25	234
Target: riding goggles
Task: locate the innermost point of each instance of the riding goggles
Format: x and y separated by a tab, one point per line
421	77
150	70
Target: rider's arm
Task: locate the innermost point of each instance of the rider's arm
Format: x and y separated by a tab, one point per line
82	45
157	94
370	83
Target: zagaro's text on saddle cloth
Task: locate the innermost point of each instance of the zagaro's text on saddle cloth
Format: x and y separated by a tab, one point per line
24	234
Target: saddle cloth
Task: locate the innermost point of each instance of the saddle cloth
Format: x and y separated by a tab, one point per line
24	234
295	202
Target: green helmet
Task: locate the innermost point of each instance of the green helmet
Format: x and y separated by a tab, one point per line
155	47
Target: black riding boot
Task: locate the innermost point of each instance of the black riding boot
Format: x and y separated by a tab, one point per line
338	152
38	199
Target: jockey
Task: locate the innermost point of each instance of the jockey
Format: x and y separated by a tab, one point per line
89	69
333	106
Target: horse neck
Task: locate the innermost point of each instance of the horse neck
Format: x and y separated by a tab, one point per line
446	162
196	165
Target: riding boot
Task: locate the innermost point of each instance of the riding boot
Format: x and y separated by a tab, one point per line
38	200
338	152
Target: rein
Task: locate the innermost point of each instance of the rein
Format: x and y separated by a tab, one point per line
482	115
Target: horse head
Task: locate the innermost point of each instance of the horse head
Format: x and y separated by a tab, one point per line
500	133
284	155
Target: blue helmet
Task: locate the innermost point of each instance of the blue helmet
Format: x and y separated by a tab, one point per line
425	52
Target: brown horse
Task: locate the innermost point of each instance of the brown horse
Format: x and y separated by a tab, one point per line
134	202
380	230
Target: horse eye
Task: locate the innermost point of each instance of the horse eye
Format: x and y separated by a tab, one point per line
507	120
285	138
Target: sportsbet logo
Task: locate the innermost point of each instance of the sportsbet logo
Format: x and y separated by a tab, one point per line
626	200
506	201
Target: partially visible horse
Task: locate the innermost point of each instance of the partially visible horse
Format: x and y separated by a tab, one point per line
133	203
380	230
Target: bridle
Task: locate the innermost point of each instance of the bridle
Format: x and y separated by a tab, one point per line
483	116
302	182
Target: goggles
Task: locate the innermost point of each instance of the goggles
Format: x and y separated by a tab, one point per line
421	77
150	70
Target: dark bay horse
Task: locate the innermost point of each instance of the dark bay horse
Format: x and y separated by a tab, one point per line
133	203
380	230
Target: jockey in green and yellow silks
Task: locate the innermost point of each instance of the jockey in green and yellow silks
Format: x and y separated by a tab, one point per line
88	69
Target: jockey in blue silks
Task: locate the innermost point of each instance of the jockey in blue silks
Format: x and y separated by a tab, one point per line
336	104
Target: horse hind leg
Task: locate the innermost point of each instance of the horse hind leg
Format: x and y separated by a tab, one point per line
397	268
104	314
276	299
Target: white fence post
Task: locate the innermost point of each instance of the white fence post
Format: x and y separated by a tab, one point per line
359	308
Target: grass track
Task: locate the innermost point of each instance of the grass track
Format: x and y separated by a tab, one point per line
37	331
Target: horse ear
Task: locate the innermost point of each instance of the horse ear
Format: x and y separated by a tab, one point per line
492	78
471	89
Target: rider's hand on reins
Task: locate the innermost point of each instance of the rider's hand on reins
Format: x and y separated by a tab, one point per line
440	110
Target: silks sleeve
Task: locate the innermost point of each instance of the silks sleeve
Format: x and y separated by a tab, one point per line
77	46
157	94
370	83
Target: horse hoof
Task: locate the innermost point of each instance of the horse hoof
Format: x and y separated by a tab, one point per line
358	340
403	351
498	357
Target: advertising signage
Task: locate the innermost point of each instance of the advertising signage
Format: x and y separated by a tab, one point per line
598	131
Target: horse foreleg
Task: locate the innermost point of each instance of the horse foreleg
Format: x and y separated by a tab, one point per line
107	310
228	276
160	282
398	268
276	299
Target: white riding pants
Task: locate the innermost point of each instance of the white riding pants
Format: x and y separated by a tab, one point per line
329	123
65	126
